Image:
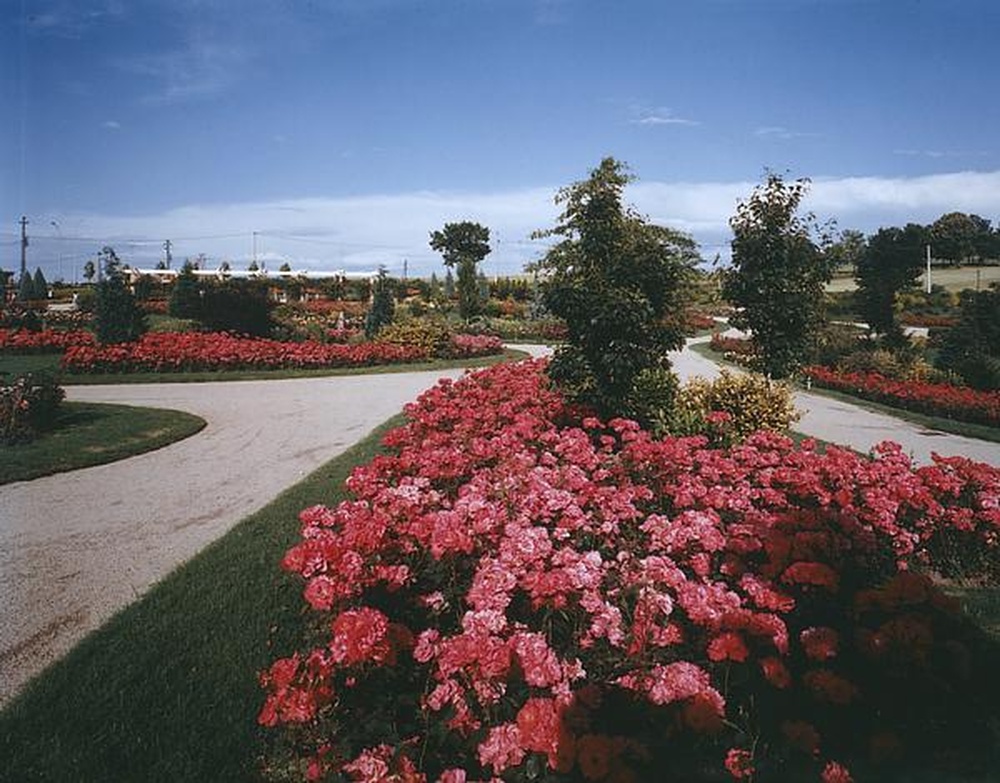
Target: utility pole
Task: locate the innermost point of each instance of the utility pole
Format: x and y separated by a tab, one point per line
405	268
254	244
166	248
927	281
24	245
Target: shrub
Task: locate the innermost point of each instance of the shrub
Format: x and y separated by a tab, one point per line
117	316
747	403
972	347
383	305
514	591
432	336
237	306
28	405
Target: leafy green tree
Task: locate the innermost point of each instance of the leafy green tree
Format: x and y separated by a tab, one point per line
383	305
41	285
463	245
116	313
185	296
26	288
847	250
285	267
449	286
89	270
971	348
778	274
959	237
618	282
891	263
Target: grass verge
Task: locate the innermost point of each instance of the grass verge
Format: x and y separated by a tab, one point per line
86	434
966	429
166	690
18	364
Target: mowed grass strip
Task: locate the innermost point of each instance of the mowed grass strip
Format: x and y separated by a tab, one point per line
167	690
86	434
15	365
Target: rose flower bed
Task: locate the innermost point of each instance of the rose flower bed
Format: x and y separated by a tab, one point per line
192	351
935	399
43	341
519	592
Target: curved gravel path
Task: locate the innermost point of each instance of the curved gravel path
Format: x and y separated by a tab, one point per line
77	547
851	425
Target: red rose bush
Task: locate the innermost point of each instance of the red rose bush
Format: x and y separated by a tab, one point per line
43	341
935	399
195	351
520	591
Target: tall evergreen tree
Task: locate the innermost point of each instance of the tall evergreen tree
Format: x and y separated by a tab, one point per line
185	296
117	314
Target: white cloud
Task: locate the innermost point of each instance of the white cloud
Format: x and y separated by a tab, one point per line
782	133
941	153
197	69
658	116
111	124
363	232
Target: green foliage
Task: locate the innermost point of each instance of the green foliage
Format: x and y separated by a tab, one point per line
238	306
26	288
86	300
449	285
185	296
890	264
615	279
959	237
89	270
971	348
432	335
40	284
778	274
463	245
118	317
846	252
28	405
749	403
383	305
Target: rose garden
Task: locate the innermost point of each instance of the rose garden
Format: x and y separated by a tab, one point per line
576	568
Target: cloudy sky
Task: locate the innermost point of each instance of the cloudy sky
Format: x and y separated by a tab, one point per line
343	131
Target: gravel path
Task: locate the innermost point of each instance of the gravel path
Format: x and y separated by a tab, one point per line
77	547
850	425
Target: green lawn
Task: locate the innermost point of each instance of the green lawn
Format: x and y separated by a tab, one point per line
86	434
953	279
167	690
14	365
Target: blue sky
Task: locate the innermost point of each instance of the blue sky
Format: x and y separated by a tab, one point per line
343	131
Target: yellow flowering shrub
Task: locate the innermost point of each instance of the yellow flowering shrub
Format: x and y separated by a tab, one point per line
737	404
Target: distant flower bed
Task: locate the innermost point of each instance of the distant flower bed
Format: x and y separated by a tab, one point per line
154	306
44	341
517	591
192	352
469	345
696	322
934	399
930	321
737	345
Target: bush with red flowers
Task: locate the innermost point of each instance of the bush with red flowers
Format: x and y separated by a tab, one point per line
520	591
44	341
216	351
935	399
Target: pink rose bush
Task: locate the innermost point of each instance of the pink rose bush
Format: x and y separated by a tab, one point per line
43	341
520	591
196	351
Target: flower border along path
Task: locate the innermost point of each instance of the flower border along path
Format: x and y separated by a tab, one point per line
851	425
76	547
